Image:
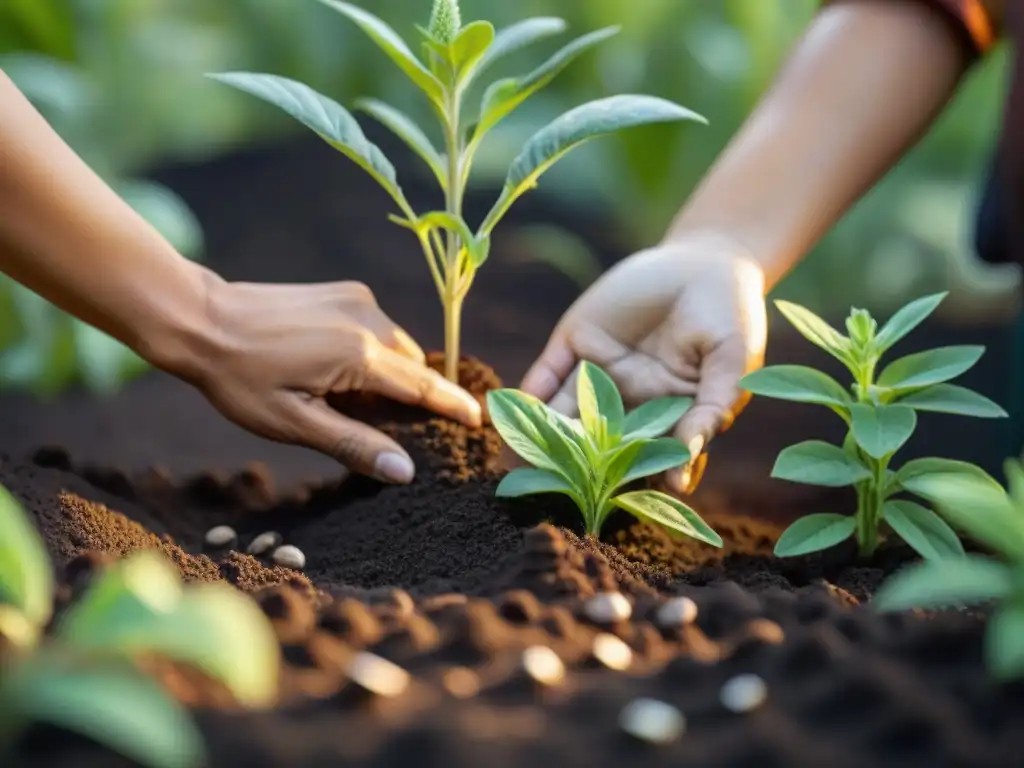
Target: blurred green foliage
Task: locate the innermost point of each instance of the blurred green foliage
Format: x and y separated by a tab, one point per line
911	235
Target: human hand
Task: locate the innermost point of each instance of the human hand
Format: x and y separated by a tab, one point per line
685	318
269	355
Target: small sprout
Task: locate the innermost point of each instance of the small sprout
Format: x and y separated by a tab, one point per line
743	693
612	652
591	458
543	665
264	543
652	721
378	675
221	537
289	557
676	612
608	608
880	412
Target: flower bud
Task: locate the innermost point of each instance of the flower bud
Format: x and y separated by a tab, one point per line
445	20
861	327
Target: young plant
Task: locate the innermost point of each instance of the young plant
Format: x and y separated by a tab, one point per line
455	55
993	517
589	459
82	677
881	414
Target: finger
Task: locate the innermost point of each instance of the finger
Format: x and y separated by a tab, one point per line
397	377
564	400
388	332
548	373
402	343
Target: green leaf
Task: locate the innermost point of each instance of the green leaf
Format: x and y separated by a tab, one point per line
932	466
814	533
1004	642
112	704
815	462
388	41
924	369
798	384
660	508
519	35
655	417
601	409
906	320
655	456
403	127
526	481
815	330
576	127
26	578
882	429
469	48
928	534
1014	472
941	584
331	121
478	247
949	398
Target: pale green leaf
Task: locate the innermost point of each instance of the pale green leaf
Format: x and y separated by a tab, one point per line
655	417
526	481
934	584
1014	472
814	533
469	47
660	508
883	429
928	534
26	578
331	121
656	456
906	320
815	330
930	466
1004	642
934	366
601	409
815	462
798	384
949	398
519	35
403	127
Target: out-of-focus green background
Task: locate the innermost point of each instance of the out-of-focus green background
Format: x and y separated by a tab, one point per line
122	81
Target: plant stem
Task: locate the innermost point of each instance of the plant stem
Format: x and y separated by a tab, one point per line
452	332
870	500
453	205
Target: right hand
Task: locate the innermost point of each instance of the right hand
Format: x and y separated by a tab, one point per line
685	318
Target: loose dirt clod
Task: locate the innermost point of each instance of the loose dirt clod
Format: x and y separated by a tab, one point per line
543	665
612	652
743	693
289	557
378	675
264	543
677	612
221	537
608	608
652	721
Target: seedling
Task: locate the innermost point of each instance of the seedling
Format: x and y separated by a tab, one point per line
589	459
82	678
994	517
454	58
881	415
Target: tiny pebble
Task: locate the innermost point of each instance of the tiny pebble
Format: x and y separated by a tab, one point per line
543	665
653	721
462	683
677	612
289	557
264	543
743	693
608	608
612	652
221	536
378	675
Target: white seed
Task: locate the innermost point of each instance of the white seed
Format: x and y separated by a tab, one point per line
378	675
652	720
743	693
608	608
264	543
221	536
543	665
612	652
289	557
677	612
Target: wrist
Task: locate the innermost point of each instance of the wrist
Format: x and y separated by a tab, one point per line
728	245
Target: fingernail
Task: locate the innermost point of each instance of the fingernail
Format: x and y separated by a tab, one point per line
695	446
394	468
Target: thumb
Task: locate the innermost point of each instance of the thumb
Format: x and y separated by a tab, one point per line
551	369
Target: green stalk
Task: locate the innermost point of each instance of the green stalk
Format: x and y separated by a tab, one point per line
453	297
870	496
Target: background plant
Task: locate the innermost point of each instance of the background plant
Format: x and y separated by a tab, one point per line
994	517
455	56
881	415
592	458
82	677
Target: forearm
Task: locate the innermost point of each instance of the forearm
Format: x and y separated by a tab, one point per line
66	235
864	84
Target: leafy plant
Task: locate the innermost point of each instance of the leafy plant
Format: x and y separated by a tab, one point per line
82	677
994	517
881	414
454	57
591	458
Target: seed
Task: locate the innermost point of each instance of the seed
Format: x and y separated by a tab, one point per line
677	612
543	665
743	693
652	720
612	652
221	536
290	557
608	608
264	543
378	675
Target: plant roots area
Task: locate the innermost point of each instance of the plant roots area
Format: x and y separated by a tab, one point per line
773	663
